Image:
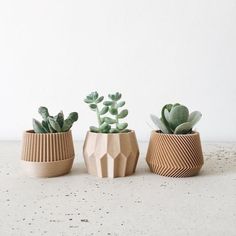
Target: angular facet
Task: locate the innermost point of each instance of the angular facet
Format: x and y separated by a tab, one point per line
113	155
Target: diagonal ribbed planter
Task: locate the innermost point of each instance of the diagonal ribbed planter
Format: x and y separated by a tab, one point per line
47	154
175	155
111	155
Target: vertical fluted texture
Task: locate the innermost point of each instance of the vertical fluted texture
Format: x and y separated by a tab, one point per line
175	155
111	155
48	147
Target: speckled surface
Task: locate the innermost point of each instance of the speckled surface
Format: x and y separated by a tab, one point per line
142	204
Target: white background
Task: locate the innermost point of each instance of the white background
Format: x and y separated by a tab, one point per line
53	53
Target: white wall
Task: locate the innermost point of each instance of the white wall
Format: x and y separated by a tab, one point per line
53	53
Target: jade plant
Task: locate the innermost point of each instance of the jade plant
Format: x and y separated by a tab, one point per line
175	119
53	124
112	106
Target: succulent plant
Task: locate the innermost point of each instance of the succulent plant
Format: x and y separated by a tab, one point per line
175	119
53	124
107	124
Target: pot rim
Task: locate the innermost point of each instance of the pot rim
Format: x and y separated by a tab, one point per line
194	133
111	134
31	132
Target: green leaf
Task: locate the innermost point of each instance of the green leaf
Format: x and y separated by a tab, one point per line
121	104
183	128
107	103
43	111
38	128
159	123
73	116
109	120
178	115
113	111
54	124
93	106
121	126
60	118
88	100
104	110
94	129
194	117
67	125
45	126
105	128
100	99
123	114
94	95
114	130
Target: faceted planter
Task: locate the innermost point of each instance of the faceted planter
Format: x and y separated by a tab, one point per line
175	155
111	155
47	154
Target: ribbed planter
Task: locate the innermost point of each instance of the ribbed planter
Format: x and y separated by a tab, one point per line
175	155
111	155
47	154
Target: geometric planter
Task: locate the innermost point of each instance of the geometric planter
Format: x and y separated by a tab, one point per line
175	155
47	154
111	155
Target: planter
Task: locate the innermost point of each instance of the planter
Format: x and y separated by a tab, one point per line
111	155
175	155
47	154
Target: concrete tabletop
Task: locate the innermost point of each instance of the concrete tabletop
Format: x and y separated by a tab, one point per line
142	204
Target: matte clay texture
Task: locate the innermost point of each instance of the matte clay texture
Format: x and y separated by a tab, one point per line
175	155
111	155
47	155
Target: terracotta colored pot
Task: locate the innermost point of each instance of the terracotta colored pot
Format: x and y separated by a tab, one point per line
47	154
175	155
111	155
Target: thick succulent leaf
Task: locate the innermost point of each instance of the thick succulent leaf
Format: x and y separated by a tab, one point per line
67	125
104	110
107	103
46	126
38	128
73	116
121	104
115	97
178	115
113	110
60	118
121	126
94	129
54	124
123	114
93	107
105	128
163	119
109	120
194	117
184	128
94	95
168	107
43	111
88	100
167	115
100	99
160	125
114	130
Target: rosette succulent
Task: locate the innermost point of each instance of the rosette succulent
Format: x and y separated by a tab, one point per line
53	124
112	123
176	119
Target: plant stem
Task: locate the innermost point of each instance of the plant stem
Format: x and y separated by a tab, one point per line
98	117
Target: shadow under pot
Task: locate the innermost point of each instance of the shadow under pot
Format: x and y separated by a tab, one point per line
111	155
47	154
175	155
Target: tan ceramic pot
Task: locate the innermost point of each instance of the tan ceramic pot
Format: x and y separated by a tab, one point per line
47	154
111	155
175	155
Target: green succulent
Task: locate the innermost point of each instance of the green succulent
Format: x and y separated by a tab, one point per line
107	124
175	119
53	124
